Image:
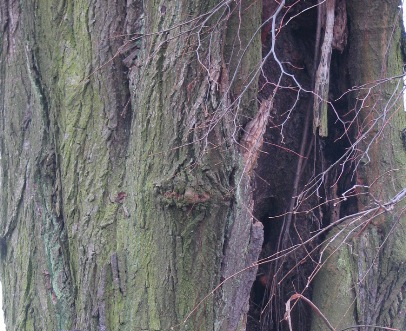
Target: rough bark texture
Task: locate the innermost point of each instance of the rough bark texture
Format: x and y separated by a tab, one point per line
124	201
368	259
131	194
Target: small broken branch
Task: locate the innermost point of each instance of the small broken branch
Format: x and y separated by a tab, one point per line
322	79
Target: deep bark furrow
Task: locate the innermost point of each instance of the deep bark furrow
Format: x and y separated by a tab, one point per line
133	198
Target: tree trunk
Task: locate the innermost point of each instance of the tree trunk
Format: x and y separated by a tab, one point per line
125	201
131	196
369	254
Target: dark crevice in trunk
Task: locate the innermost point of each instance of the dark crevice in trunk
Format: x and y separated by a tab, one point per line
278	279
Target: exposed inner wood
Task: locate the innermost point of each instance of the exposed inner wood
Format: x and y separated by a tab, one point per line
321	86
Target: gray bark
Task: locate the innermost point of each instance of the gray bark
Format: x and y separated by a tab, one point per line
368	258
129	137
124	195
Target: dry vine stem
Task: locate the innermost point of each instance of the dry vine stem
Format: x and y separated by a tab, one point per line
297	296
311	304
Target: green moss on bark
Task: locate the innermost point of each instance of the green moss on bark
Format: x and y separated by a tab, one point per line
378	246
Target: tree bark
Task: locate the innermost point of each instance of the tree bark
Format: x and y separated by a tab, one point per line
367	258
131	196
125	200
